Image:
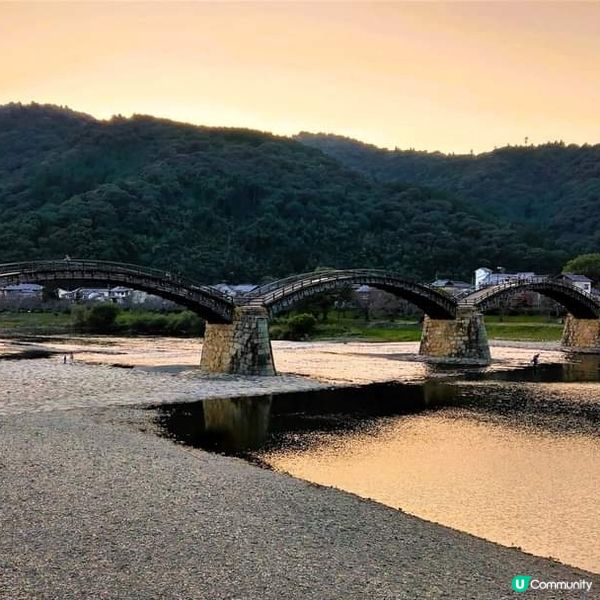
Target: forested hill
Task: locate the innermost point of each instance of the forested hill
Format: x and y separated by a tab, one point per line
227	204
552	187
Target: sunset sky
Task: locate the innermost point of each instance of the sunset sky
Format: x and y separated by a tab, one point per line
451	77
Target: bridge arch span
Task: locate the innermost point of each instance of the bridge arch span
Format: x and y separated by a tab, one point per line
577	302
282	295
206	301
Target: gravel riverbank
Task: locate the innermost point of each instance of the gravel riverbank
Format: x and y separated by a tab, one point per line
91	508
44	385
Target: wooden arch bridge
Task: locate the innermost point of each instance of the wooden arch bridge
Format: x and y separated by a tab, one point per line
237	337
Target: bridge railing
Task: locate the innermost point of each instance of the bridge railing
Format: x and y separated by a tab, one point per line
76	264
282	287
267	287
483	293
489	288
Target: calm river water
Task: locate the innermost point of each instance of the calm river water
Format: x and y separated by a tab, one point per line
513	457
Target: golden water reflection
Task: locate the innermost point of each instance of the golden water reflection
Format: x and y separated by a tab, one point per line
525	488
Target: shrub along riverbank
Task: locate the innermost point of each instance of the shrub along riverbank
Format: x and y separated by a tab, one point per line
103	319
111	319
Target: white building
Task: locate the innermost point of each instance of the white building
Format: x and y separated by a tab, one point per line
579	281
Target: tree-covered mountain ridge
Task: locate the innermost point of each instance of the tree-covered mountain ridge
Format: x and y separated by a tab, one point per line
230	204
551	188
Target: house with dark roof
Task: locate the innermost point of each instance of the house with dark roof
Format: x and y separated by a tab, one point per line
452	286
22	290
118	294
235	289
580	281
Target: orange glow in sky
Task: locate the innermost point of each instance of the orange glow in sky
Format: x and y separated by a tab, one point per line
450	77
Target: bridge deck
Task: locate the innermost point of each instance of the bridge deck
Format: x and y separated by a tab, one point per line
206	300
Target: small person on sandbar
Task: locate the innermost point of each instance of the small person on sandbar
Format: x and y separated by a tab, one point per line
535	360
65	359
71	358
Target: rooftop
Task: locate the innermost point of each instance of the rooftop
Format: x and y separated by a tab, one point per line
451	283
22	287
576	277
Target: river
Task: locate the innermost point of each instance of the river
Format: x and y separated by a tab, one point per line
511	456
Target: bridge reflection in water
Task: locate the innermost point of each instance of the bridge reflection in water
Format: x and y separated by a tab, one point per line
239	425
230	425
245	424
507	456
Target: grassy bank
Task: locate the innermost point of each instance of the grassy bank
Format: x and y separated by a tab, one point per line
379	331
519	327
136	322
534	331
121	322
17	323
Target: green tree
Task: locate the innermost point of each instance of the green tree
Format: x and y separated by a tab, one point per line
585	264
301	326
78	316
101	317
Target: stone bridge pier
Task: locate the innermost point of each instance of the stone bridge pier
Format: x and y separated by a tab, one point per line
462	340
581	335
242	347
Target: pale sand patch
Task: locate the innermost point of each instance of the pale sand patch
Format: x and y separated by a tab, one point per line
362	362
48	384
367	362
109	350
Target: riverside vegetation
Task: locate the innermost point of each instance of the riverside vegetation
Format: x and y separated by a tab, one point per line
538	328
103	319
110	319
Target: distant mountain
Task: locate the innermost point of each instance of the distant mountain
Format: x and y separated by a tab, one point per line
553	190
230	204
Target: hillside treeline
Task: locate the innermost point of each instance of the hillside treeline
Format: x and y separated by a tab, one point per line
551	191
235	205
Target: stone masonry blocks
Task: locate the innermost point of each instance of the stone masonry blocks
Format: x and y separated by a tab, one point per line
242	347
462	340
581	335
